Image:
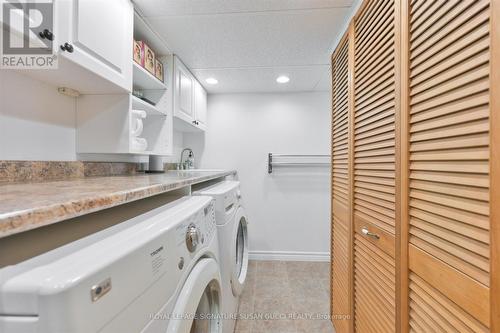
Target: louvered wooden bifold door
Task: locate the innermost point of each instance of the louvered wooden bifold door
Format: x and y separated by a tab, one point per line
341	232
449	166
415	221
374	168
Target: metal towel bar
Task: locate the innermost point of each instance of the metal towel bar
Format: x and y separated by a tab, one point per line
271	162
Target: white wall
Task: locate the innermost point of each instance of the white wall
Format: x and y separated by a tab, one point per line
178	147
36	122
289	211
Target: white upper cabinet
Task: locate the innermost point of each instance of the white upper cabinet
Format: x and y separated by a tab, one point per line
190	100
92	40
200	105
183	93
97	35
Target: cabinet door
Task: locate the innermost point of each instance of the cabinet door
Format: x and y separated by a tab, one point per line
374	165
449	174
183	94
341	192
200	103
101	34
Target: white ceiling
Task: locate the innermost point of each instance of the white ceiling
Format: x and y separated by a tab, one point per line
246	44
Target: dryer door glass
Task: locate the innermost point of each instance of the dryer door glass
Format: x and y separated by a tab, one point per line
240	247
204	321
241	250
239	254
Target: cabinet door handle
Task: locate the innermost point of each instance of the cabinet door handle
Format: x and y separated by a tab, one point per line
46	34
67	47
366	232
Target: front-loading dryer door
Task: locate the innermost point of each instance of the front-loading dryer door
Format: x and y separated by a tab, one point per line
239	252
197	309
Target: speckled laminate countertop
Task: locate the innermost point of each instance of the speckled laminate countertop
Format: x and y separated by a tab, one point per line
26	206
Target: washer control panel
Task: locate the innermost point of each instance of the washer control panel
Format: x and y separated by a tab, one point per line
200	228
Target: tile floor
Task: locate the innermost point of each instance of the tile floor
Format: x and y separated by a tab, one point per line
278	290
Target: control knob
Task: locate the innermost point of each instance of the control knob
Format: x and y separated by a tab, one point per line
192	237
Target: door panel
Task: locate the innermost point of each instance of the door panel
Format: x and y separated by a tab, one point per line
200	104
184	92
100	33
449	166
105	20
374	112
375	168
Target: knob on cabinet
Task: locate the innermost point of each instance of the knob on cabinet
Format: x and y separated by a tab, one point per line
67	47
46	34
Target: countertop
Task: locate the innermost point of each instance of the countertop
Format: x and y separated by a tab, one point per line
26	206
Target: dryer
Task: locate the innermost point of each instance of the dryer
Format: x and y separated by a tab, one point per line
232	231
157	272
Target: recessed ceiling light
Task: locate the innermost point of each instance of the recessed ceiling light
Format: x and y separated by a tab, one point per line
282	79
211	80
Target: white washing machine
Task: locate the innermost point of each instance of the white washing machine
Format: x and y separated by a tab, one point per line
157	272
232	232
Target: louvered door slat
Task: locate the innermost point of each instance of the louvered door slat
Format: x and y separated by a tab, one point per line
374	296
449	167
374	110
439	306
341	237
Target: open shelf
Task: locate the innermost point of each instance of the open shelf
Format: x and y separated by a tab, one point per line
143	80
142	31
151	110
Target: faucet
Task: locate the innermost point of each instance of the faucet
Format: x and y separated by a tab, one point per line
188	164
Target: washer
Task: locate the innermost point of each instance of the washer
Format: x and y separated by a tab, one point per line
157	272
232	230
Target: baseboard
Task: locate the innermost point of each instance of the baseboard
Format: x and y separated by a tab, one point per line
289	256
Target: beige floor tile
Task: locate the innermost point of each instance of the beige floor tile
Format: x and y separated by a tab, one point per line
244	325
249	288
251	271
326	285
308	269
275	327
314	326
311	306
280	290
271	268
281	304
308	289
272	287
